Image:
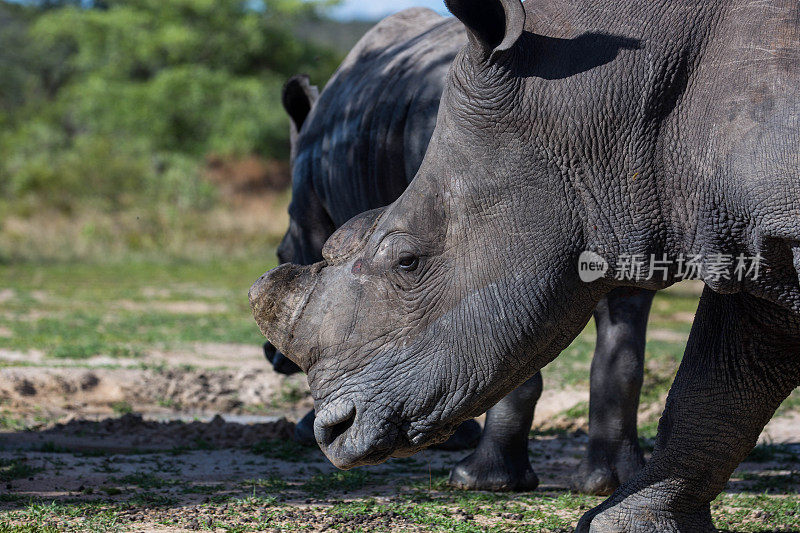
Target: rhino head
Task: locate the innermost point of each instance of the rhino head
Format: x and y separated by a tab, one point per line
427	312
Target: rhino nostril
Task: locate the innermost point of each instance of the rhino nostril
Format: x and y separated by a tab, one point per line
337	430
332	430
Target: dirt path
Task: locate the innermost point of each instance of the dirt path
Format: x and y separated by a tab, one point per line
86	463
202	380
220	475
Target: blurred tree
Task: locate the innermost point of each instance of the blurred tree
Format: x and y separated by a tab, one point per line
189	73
17	76
135	39
139	84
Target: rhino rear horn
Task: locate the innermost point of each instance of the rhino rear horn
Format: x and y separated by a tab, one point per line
298	98
493	26
351	236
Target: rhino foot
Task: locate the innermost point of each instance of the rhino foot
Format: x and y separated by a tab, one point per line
639	517
494	470
466	437
601	473
601	481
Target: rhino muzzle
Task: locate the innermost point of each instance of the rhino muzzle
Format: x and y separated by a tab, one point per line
278	299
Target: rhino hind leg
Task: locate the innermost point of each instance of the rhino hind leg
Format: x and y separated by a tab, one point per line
613	454
740	364
500	462
465	437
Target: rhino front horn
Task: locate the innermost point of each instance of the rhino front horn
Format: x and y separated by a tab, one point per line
278	299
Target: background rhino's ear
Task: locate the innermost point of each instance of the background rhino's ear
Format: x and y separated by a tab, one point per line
299	96
492	25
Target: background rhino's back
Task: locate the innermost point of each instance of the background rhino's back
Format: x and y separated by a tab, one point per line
368	132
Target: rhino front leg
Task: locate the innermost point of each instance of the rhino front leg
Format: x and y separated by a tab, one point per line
500	462
739	365
613	455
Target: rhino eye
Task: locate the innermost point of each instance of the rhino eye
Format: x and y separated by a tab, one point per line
408	262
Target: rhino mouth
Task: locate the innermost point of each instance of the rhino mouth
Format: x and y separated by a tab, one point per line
352	437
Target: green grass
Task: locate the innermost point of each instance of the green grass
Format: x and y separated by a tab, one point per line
756	512
10	422
40	515
671	312
27	528
121	408
86	334
203	489
282	450
143	480
290	393
321	484
11	469
271	484
435	511
469	512
579	410
52	447
79	311
539	512
75	311
792	403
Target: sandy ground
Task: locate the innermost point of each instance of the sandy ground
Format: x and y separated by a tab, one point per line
176	448
202	380
171	490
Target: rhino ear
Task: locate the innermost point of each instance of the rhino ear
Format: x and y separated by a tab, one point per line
299	96
493	26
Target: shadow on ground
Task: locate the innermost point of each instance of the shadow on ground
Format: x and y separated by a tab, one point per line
128	473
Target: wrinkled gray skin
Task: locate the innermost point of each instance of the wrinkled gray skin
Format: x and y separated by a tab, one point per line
620	127
361	117
359	144
358	150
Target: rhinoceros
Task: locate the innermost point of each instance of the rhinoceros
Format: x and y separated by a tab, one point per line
357	151
571	127
566	127
361	147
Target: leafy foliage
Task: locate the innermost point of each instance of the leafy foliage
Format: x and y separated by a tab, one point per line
119	101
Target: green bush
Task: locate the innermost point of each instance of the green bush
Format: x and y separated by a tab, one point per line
102	172
187	109
118	105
